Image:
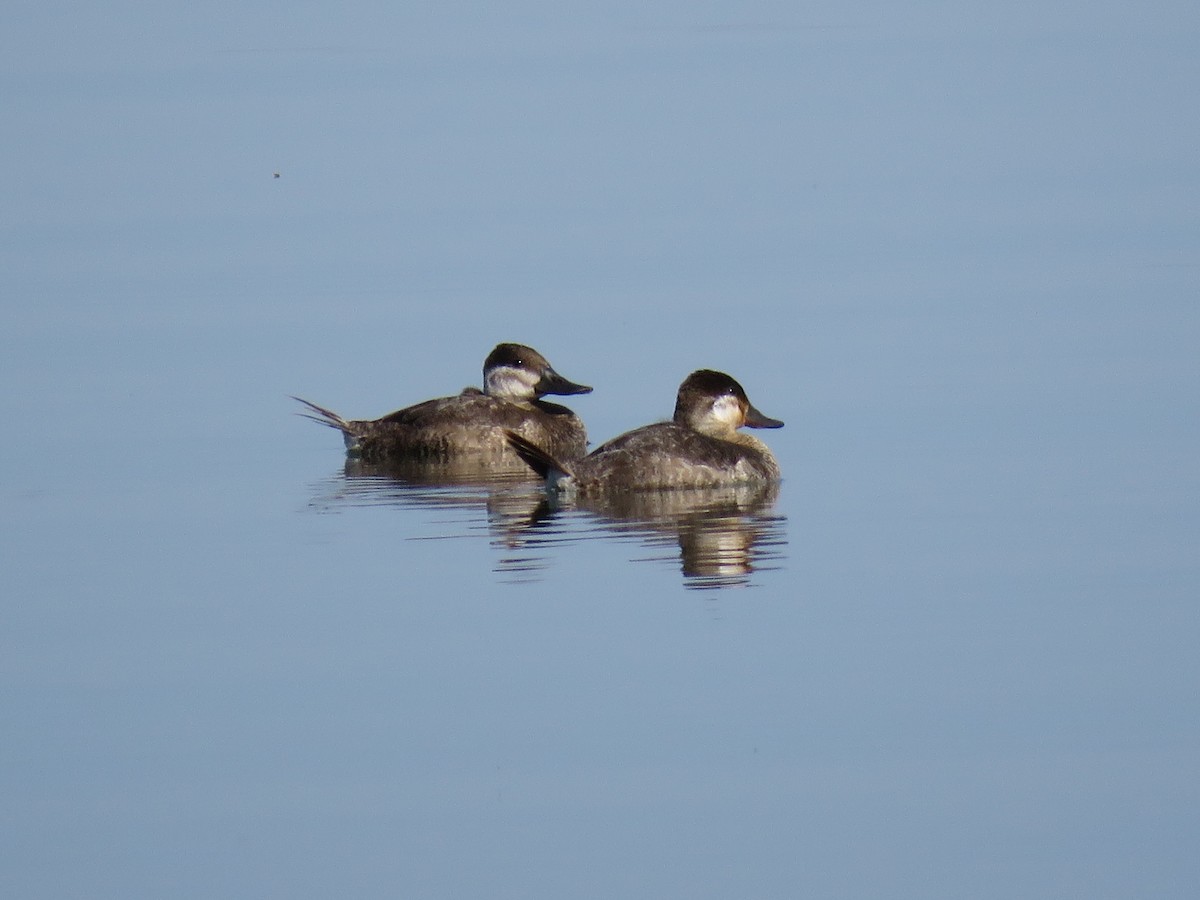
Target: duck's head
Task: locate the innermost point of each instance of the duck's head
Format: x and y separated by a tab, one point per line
713	403
517	372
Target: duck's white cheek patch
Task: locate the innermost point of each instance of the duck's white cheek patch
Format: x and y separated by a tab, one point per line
728	410
507	382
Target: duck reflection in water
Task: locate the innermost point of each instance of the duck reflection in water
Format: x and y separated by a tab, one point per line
718	537
723	534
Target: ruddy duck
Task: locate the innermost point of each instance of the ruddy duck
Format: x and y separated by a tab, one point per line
700	448
473	424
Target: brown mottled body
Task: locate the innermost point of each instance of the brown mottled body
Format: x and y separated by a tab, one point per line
471	426
669	455
700	448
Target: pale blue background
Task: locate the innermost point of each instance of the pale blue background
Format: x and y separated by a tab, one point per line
954	246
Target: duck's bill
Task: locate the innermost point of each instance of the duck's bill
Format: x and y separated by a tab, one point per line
755	419
553	383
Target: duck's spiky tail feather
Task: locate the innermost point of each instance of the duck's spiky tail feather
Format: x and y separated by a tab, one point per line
545	465
353	433
324	416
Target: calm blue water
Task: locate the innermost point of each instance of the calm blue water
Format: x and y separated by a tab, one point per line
955	250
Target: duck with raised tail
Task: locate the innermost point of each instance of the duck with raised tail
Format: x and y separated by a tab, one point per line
474	424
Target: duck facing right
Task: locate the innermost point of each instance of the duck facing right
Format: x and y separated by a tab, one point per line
701	447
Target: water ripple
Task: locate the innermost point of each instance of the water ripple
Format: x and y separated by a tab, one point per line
718	538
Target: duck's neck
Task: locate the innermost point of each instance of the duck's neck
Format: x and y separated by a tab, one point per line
750	442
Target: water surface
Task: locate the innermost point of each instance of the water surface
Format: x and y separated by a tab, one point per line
954	250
